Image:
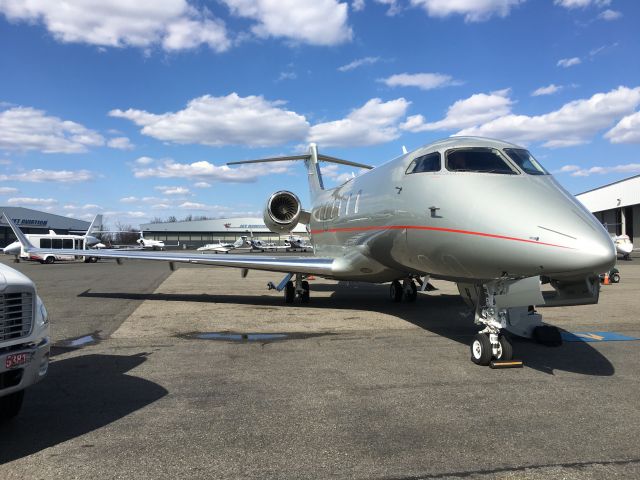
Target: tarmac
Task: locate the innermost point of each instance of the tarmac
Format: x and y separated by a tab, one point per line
351	386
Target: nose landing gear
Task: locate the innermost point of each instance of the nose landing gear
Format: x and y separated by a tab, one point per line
486	347
407	290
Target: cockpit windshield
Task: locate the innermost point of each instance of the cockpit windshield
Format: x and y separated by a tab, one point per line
525	161
482	160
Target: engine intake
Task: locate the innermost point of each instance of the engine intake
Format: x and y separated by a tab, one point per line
282	213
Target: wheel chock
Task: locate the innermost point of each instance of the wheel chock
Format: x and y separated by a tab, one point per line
496	364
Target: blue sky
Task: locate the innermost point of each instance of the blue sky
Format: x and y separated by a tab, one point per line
133	111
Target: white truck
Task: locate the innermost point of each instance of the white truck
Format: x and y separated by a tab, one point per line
24	339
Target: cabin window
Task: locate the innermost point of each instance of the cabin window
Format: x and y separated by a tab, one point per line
45	243
67	243
357	205
425	163
480	160
525	161
56	243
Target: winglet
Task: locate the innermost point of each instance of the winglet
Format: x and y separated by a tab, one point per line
26	244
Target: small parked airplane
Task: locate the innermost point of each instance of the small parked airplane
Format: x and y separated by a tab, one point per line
623	245
478	212
223	247
148	243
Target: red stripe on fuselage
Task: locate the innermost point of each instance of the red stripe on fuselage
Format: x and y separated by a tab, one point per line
435	229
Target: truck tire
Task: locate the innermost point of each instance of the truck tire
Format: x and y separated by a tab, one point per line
10	405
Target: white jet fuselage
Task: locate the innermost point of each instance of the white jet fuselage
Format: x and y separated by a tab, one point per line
457	225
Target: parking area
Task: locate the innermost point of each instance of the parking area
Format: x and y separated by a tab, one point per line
351	385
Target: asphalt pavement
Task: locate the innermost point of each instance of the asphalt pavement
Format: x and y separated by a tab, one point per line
355	387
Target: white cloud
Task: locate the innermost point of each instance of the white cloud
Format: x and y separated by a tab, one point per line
33	202
581	3
373	123
173	190
144	161
39	175
548	90
572	124
193	206
476	109
173	24
25	128
357	5
568	62
287	76
610	15
88	206
472	10
121	143
202	185
316	22
205	170
129	199
333	172
627	130
576	171
216	121
359	62
424	81
8	191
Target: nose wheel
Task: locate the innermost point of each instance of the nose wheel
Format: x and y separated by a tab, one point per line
484	348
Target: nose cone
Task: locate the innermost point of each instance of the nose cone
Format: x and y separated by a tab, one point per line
599	255
12	249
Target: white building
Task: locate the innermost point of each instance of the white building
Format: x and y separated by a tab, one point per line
616	205
195	233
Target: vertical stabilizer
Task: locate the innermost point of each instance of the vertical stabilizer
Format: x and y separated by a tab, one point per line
316	184
95	225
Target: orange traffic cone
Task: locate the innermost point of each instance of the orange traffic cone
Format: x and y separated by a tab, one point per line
607	281
311	277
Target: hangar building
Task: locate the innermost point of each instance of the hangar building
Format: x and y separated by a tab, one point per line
196	233
616	205
35	221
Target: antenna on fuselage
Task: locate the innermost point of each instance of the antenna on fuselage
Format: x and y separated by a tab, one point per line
404	150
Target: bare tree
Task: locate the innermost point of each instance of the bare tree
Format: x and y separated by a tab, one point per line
126	234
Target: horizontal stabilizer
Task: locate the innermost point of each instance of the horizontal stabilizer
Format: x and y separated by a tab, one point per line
321	158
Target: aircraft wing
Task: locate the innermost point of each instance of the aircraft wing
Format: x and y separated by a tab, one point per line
285	264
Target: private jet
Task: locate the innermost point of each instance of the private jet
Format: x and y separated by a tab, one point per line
148	243
223	247
623	244
479	212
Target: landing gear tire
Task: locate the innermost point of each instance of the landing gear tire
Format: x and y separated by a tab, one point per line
289	292
481	351
304	298
10	405
411	295
395	291
505	350
615	278
49	260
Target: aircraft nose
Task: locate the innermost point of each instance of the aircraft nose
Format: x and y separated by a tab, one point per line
599	255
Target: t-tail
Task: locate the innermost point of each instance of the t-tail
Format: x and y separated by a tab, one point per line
312	162
95	225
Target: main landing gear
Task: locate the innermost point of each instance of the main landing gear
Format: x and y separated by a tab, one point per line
407	290
297	289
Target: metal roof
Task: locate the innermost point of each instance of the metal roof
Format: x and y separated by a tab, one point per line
622	193
28	217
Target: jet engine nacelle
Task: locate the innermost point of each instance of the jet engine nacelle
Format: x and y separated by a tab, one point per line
282	212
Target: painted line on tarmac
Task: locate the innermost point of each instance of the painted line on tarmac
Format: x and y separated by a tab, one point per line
596	337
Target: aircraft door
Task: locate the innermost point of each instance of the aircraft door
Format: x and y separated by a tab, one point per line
422	199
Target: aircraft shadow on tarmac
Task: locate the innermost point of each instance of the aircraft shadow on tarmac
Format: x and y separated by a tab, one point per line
80	394
444	315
